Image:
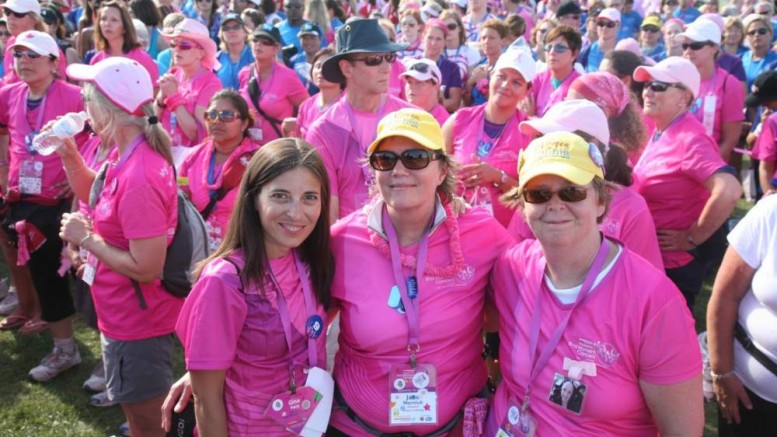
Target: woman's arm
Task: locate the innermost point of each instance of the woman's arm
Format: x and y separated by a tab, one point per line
447	133
730	131
677	408
190	123
208	389
765	174
78	174
453	101
5	166
731	284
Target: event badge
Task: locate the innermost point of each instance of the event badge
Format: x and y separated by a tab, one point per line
413	395
31	177
314	326
484	148
89	268
481	198
292	410
518	422
708	114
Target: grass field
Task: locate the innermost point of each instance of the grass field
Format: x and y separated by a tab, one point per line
61	407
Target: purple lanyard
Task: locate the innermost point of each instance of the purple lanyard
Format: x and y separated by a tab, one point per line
412	308
359	140
283	310
539	363
124	158
39	122
493	141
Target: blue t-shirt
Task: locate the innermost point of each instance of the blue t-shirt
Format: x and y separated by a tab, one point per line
630	23
594	59
451	75
164	60
656	53
301	66
755	68
687	16
229	70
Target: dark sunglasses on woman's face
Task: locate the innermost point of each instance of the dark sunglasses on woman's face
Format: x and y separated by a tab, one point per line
651	29
567	194
412	159
18	54
375	60
659	87
226	115
232	27
452	26
264	41
761	31
696	45
183	45
15	14
607	24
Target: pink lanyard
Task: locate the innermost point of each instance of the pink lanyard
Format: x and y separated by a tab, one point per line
124	158
283	311
409	288
359	140
539	363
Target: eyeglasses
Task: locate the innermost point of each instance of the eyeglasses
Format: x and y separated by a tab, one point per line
607	24
651	29
375	60
567	194
452	26
570	17
558	48
5	33
19	54
15	14
423	68
412	159
184	45
232	27
671	3
264	41
761	31
659	87
696	45
225	116
292	6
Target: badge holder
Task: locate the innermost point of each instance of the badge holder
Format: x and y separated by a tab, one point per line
31	177
413	393
305	410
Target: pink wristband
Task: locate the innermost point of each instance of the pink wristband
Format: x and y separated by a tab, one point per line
172	102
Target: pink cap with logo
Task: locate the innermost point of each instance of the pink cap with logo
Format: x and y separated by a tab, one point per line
39	42
125	82
671	70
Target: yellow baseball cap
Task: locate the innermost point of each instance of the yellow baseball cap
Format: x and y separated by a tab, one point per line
652	20
415	124
562	154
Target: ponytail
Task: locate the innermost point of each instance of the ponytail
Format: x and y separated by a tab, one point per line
156	135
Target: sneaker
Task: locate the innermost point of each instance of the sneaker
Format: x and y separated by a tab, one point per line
53	364
96	381
10	303
124	430
101	400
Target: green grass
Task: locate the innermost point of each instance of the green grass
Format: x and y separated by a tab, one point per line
61	407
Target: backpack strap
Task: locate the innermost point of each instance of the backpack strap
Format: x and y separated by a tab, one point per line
139	294
253	92
220	194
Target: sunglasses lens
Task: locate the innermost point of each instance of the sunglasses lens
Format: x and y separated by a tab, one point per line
383	161
537	196
658	87
415	159
452	26
572	194
227	116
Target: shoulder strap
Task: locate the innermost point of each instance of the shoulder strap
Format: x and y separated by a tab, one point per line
253	92
220	194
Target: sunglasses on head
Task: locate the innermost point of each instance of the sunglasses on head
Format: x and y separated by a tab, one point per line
375	60
607	24
558	48
226	115
18	54
412	159
566	194
659	87
452	26
15	14
696	45
651	29
184	45
423	68
761	31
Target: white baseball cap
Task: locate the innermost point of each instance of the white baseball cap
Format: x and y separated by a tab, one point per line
23	6
39	42
518	59
701	30
124	81
611	14
422	69
570	116
671	70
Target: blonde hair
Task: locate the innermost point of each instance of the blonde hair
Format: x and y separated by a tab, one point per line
316	12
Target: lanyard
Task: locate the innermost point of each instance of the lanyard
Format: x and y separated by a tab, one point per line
658	133
408	287
355	132
39	122
212	174
283	311
539	363
484	148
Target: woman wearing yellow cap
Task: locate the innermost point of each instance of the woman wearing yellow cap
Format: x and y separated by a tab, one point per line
594	338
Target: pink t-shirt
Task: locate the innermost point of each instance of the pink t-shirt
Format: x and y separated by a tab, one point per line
342	149
61	98
309	111
729	100
196	92
276	99
543	93
225	327
629	334
9	63
440	114
670	175
396	85
195	167
139	201
650	127
766	145
374	335
468	133
89	151
627	220
137	54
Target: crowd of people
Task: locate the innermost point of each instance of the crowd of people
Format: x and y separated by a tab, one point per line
421	218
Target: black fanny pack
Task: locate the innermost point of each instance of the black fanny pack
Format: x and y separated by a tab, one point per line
741	335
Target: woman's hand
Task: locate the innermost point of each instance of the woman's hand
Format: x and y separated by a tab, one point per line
479	173
674	241
459	206
168	85
527	105
65	191
730	392
75	227
177	399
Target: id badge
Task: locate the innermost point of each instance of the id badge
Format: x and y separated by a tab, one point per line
518	422
413	395
292	411
481	198
31	177
89	268
708	114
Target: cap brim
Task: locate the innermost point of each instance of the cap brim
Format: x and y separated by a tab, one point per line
539	126
646	74
563	170
265	34
331	70
417	75
36	49
81	72
424	142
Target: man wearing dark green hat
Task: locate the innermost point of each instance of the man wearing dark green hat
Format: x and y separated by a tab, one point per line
363	64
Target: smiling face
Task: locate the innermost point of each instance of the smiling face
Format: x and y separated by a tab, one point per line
506	88
408	190
289	207
733	36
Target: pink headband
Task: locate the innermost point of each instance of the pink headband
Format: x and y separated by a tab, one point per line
604	89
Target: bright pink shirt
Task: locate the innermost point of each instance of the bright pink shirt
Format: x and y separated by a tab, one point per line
342	149
89	151
671	174
196	92
729	100
9	62
766	145
467	134
138	202
374	335
631	335
627	220
137	54
396	85
543	93
195	168
649	125
225	327
278	94
309	111
440	114
61	98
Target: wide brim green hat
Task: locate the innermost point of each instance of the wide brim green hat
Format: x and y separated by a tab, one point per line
357	36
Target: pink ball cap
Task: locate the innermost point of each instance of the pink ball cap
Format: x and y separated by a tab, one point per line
125	82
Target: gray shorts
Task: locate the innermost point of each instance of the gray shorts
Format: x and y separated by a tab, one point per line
137	370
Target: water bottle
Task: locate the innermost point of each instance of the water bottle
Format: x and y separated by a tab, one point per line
68	126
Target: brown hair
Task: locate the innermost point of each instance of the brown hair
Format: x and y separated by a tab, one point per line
450	13
496	24
240	104
569	34
130	37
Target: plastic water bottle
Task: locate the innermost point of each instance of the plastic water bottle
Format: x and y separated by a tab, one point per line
68	126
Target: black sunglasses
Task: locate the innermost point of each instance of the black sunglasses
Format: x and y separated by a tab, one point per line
412	159
659	87
375	60
452	26
651	29
424	69
567	194
19	54
15	14
226	115
761	31
607	24
696	45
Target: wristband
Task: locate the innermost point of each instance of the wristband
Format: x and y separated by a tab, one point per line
174	101
718	376
83	240
692	241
